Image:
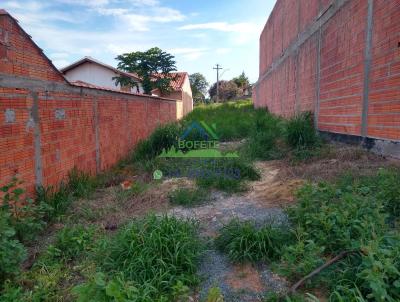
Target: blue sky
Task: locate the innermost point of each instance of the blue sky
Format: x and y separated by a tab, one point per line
200	33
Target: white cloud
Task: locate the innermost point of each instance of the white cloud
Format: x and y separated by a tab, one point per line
142	22
91	3
244	27
189	54
144	2
112	11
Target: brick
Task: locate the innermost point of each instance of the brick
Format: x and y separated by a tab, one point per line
123	120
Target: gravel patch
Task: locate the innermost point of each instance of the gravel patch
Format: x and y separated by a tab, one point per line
215	268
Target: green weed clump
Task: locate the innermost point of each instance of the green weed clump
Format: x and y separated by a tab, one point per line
300	132
72	242
151	259
12	251
163	138
188	197
265	139
243	241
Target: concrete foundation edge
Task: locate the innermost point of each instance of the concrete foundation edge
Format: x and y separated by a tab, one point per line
386	148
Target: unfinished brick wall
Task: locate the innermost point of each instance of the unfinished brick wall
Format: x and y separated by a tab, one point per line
48	127
337	58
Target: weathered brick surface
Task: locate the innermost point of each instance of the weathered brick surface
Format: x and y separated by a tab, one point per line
67	119
325	73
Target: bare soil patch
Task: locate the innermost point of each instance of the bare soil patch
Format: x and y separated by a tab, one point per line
245	277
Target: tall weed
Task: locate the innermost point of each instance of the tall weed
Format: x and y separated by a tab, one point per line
149	260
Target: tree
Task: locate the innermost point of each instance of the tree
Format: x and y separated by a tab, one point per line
242	82
228	90
153	66
199	86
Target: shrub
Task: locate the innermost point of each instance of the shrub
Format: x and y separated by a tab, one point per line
188	197
152	257
300	259
350	215
12	252
72	242
337	219
243	241
379	272
24	215
300	132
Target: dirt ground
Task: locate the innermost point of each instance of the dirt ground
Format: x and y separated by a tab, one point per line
263	202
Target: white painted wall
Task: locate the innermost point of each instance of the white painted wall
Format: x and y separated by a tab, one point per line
187	89
96	75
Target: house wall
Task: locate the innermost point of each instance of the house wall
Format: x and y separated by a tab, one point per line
48	126
97	75
337	58
187	97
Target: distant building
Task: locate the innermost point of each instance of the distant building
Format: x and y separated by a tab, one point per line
93	73
181	90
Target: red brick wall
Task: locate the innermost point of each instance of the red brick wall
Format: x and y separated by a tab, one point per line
384	91
313	58
68	117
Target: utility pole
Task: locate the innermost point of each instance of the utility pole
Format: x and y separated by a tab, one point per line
218	68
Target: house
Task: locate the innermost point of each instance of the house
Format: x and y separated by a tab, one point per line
180	90
93	73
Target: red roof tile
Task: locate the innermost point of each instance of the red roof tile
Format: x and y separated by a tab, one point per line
177	81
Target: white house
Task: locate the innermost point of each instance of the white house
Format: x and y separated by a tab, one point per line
90	72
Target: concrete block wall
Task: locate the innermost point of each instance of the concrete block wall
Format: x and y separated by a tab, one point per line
48	126
337	58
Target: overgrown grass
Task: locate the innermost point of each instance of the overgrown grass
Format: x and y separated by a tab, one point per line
244	241
358	215
163	138
234	120
22	219
188	197
265	141
151	259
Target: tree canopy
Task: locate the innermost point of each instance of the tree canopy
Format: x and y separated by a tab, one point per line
228	90
242	81
153	66
199	86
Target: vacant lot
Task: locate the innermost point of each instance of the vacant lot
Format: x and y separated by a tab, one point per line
290	207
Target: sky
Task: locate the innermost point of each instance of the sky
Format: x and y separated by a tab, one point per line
199	33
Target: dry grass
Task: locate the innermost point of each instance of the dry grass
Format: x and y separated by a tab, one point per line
334	161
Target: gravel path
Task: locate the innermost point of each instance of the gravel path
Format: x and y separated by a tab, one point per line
238	284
